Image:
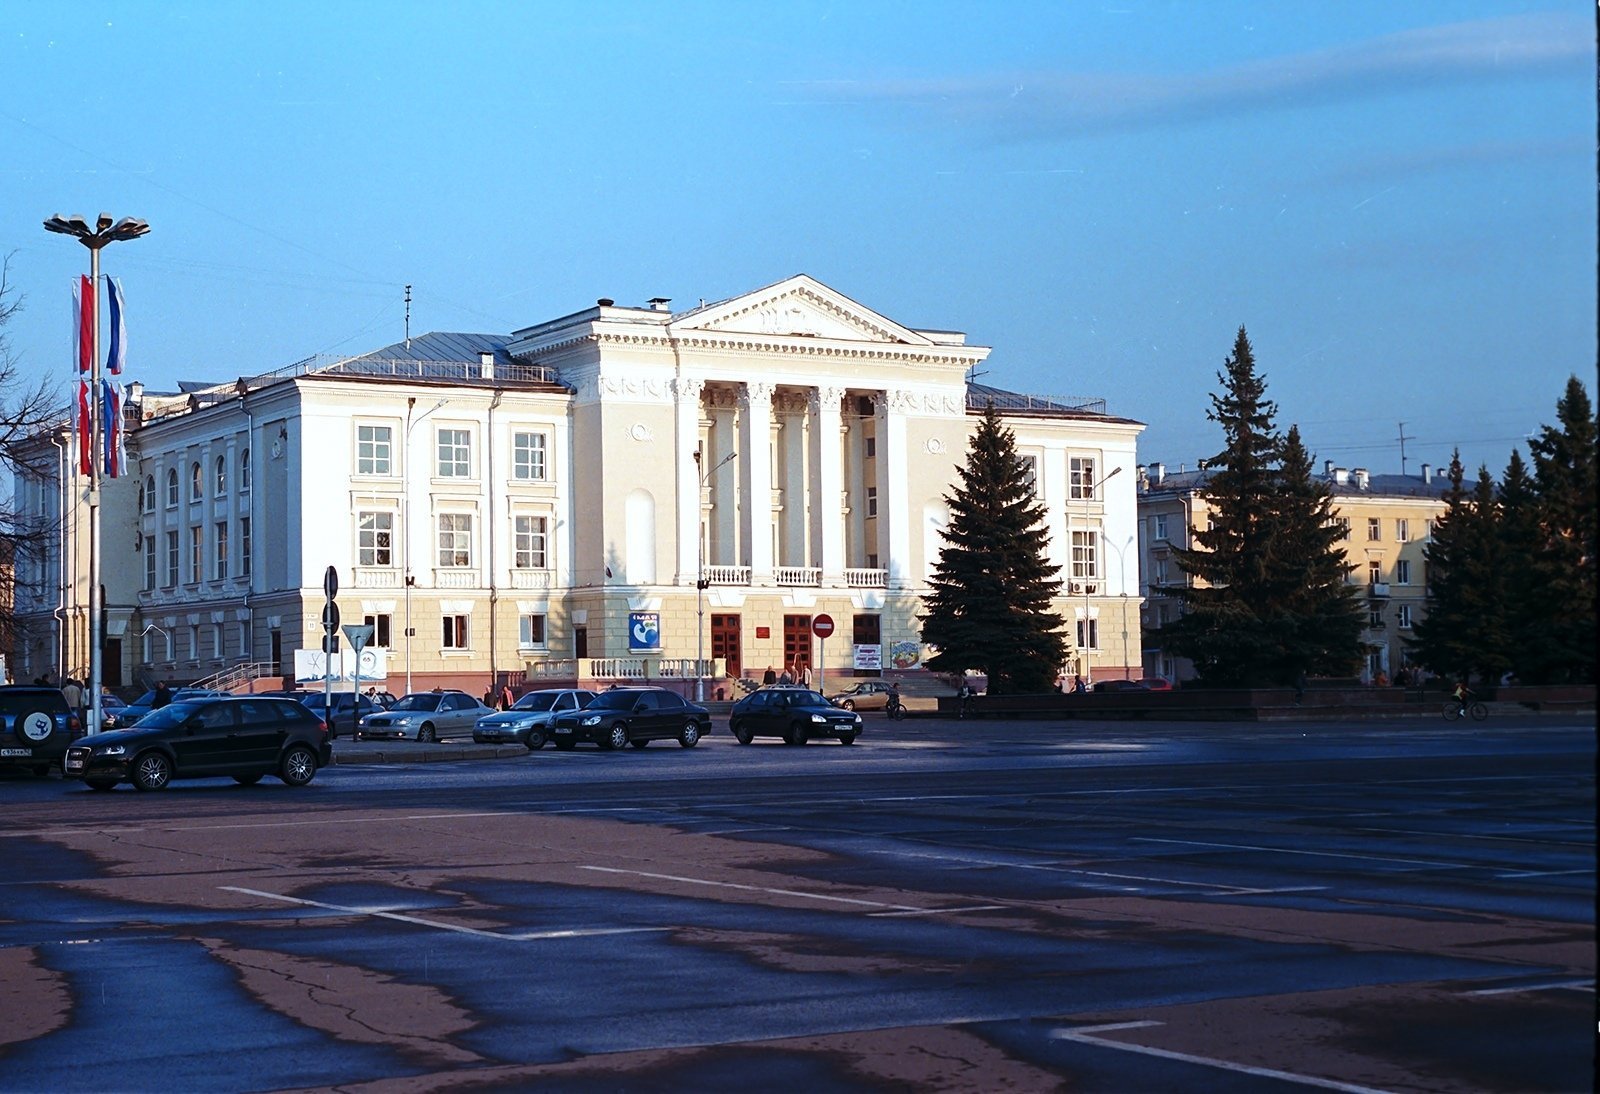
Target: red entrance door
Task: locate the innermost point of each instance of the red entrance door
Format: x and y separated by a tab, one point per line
725	642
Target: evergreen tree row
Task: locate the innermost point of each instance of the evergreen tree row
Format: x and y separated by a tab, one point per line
1511	571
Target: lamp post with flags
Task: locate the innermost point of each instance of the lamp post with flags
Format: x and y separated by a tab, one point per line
97	441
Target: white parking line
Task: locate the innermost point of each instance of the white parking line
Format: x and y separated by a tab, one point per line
756	889
1314	854
1547	873
1220	888
377	913
939	911
1575	985
1085	1035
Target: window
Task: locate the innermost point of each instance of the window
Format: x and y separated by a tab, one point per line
457	633
216	641
1344	527
1080	478
1088	634
244	640
192	638
221	476
1402	530
196	486
244	546
1375	573
870	448
221	555
1085	549
380	630
375	539
244	471
150	562
872	501
149	494
455	454
1161	526
528	457
374	447
172	488
1402	572
1375	618
1374	529
530	632
1030	473
455	539
1402	616
172	560
196	543
1161	571
529	548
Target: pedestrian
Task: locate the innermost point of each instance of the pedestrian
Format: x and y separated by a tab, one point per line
1299	687
72	692
505	697
769	677
1079	685
488	695
162	697
963	694
1383	679
787	676
805	675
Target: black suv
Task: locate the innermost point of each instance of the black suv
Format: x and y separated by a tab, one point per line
36	726
245	738
795	714
632	716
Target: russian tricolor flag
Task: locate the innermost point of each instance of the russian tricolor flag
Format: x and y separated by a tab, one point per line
119	328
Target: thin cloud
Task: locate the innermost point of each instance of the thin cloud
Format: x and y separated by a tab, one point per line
1062	104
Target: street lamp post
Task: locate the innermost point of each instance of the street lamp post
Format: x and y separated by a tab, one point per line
1122	580
700	578
405	518
1083	648
104	231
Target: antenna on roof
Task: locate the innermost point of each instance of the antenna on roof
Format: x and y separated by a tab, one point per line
973	373
1403	440
408	317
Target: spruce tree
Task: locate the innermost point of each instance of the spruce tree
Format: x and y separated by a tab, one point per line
1564	461
1465	629
989	601
1524	577
1228	626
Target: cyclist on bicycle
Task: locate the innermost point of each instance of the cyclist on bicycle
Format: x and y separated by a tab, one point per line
1462	695
892	707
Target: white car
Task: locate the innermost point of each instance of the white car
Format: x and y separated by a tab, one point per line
527	722
425	716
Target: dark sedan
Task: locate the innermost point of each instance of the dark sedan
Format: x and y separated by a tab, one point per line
242	739
632	716
1121	685
794	714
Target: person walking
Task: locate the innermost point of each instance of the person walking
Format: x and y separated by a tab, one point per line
505	697
787	676
769	677
162	697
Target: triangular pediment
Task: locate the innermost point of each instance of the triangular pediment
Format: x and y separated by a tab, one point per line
799	307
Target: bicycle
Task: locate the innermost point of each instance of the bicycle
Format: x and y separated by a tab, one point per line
1457	709
895	709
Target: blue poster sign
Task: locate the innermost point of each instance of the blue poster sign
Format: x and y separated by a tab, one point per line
644	631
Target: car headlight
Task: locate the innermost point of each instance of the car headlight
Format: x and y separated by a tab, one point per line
112	750
819	718
590	720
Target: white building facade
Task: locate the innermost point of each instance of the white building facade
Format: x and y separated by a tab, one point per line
620	493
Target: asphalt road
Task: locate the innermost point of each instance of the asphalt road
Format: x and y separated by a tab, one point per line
943	906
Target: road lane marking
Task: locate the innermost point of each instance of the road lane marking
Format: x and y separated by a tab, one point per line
1546	873
1575	985
1221	889
527	936
941	911
1315	854
1085	1035
756	889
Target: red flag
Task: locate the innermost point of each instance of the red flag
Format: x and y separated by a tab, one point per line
85	460
85	323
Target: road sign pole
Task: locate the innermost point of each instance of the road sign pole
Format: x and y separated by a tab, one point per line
330	627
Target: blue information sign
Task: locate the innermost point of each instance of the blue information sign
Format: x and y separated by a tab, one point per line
644	630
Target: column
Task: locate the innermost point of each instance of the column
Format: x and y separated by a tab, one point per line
686	417
793	539
755	480
894	474
826	484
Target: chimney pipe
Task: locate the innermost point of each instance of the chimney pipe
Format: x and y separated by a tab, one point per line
486	364
1427	473
1340	476
1361	477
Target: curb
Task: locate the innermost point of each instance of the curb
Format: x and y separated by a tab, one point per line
423	754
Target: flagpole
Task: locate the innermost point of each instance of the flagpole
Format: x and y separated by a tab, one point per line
104	232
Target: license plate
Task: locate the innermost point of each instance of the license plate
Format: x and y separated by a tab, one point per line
16	752
74	765
563	729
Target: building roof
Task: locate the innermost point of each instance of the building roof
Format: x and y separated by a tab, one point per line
1378	485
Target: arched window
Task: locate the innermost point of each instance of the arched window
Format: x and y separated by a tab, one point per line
244	471
196	489
149	494
172	488
222	476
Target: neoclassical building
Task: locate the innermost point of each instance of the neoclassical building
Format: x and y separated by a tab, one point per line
619	493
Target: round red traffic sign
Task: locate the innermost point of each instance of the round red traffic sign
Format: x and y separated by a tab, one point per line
822	625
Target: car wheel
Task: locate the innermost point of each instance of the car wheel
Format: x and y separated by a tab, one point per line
426	735
847	738
849	704
152	771
742	734
535	739
615	737
794	736
35	726
566	744
247	780
101	784
299	766
689	735
644	743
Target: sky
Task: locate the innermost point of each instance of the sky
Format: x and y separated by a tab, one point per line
1396	200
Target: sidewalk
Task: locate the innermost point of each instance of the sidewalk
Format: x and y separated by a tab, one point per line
346	752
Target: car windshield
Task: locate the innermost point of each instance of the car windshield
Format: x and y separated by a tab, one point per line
145	700
424	700
808	699
614	700
170	715
537	700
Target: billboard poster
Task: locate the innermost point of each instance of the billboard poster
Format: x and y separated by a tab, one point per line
869	657
644	631
311	666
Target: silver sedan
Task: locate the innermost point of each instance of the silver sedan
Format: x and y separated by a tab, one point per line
425	716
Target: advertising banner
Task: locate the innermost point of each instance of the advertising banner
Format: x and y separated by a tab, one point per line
644	631
310	666
869	657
